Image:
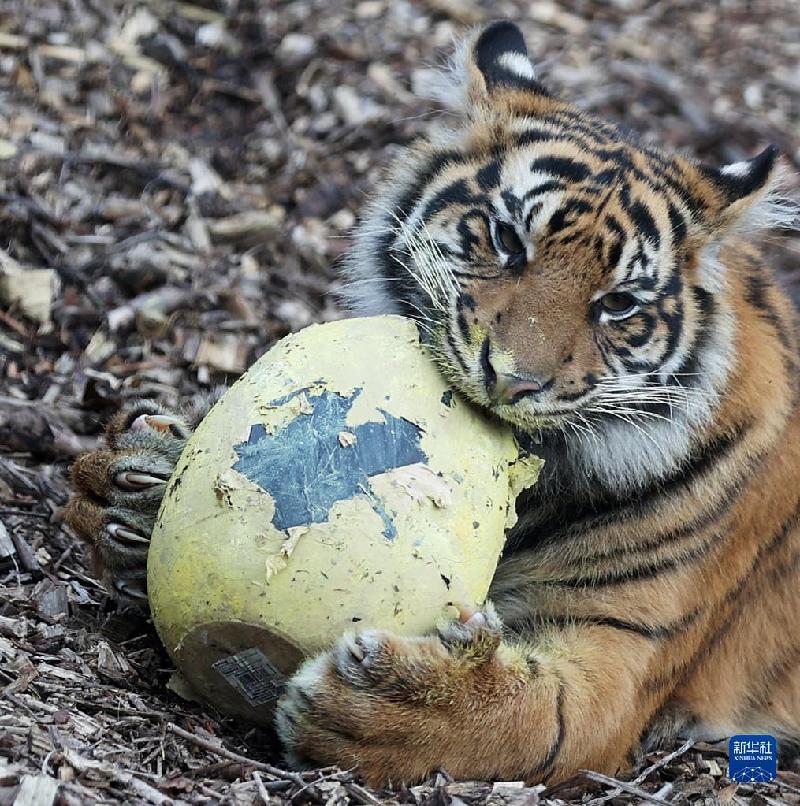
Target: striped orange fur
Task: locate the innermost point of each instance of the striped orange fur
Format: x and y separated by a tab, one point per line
603	297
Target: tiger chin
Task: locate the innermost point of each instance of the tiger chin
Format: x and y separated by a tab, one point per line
605	299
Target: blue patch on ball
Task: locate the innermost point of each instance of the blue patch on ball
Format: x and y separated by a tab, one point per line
306	468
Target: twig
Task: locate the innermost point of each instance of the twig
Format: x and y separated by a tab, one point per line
665	790
684	748
27	559
64	556
128	778
624	786
276	772
337	775
210	793
262	792
24	513
14	324
361	795
147	792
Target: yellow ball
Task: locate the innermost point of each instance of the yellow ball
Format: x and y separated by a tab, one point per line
338	484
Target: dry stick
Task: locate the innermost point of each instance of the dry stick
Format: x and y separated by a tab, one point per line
335	774
27	559
209	792
149	793
624	786
361	795
15	325
64	556
260	788
277	772
684	748
113	772
665	790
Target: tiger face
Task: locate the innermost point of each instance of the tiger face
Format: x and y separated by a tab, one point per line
551	279
564	274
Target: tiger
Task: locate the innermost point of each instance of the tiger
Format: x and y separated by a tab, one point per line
605	299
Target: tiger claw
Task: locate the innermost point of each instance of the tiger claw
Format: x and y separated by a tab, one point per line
158	422
133	481
477	620
473	627
125	535
129	591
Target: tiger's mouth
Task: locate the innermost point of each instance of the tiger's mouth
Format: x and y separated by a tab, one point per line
525	416
552	414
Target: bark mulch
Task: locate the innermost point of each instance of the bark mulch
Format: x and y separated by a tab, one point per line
176	181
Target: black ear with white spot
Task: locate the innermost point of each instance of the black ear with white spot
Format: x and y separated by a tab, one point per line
500	54
748	195
741	180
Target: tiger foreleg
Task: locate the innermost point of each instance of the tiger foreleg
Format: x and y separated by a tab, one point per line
467	701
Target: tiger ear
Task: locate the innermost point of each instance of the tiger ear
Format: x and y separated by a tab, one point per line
739	198
500	56
490	70
739	190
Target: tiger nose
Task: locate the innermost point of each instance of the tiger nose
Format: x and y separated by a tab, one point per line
506	388
509	389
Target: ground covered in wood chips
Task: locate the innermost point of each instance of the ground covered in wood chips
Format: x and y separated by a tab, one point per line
176	181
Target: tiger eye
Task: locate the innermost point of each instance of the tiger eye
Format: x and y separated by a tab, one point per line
618	302
509	239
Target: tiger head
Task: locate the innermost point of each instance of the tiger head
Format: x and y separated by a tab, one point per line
565	275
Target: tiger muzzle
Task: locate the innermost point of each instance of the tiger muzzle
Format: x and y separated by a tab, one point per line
505	388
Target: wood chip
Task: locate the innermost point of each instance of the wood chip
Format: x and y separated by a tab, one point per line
251	227
226	352
31	291
7	547
36	790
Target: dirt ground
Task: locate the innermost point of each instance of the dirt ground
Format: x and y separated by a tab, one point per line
176	183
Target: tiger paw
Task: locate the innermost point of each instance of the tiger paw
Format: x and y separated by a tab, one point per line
118	490
399	708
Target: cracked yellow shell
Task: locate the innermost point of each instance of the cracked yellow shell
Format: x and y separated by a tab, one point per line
338	484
